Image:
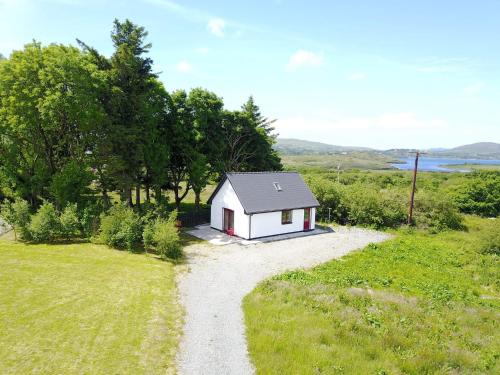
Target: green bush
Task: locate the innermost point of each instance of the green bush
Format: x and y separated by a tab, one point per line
436	211
44	226
331	195
71	184
163	236
70	225
121	228
369	205
90	220
148	235
479	194
17	215
364	206
491	239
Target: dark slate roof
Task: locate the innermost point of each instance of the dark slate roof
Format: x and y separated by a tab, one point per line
257	193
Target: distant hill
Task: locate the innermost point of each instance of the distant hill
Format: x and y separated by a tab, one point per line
481	150
478	148
291	146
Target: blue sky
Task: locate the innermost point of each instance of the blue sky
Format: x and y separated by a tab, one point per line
381	74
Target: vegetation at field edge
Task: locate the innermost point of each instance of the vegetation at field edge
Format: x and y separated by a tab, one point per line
419	303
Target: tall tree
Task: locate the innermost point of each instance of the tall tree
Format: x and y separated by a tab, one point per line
48	108
184	154
207	115
159	119
263	139
238	138
131	74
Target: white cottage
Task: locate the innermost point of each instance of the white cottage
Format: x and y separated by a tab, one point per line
260	204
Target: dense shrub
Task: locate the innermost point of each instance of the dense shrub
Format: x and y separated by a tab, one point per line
370	205
381	200
70	225
479	194
17	215
45	225
121	228
330	195
163	236
71	184
491	239
364	206
90	219
436	211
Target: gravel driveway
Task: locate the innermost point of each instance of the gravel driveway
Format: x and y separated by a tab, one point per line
220	276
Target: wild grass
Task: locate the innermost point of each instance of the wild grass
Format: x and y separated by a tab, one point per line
419	303
351	160
86	309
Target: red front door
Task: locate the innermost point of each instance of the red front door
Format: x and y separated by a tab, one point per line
307	218
229	221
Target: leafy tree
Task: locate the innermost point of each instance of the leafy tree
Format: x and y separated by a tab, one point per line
71	184
183	138
44	226
261	134
69	223
131	76
237	135
157	143
17	214
207	114
42	124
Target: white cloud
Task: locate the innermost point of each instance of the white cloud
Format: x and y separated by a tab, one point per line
473	89
202	50
184	67
356	76
216	26
303	58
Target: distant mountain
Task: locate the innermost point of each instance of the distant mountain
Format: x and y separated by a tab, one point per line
291	146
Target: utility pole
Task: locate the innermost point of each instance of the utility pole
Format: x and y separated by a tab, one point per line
338	173
412	196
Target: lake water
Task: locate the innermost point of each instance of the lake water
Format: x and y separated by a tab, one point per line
436	164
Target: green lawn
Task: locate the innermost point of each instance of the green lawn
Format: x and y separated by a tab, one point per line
417	304
86	309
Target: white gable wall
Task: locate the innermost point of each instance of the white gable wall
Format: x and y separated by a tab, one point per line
227	198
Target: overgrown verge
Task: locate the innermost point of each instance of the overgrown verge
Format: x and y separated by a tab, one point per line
420	303
381	200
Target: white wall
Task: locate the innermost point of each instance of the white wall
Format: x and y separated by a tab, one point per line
313	217
226	198
269	223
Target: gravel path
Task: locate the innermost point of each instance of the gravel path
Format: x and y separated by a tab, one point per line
220	276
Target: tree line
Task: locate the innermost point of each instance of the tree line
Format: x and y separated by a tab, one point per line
74	122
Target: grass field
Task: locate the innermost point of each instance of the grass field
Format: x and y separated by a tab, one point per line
417	304
352	160
86	309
